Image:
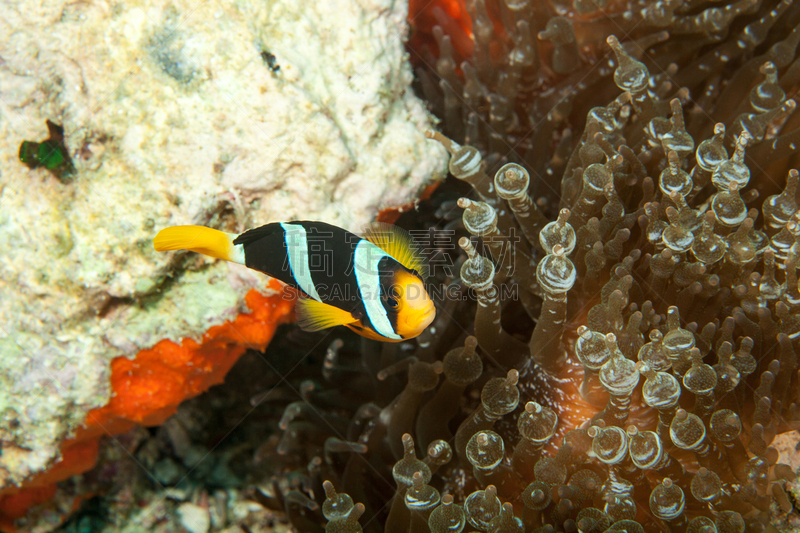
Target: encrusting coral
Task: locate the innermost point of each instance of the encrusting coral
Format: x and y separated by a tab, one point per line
637	375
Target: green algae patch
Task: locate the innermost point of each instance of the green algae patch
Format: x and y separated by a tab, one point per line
51	154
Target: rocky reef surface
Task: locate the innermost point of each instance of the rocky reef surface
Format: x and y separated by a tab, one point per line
177	112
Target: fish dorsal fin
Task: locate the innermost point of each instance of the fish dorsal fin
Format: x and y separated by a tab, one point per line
398	243
314	316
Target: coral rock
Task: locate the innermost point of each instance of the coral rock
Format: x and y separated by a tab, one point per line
229	115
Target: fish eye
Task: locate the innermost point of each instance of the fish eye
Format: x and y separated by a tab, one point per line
392	303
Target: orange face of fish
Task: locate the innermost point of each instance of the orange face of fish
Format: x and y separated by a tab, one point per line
415	310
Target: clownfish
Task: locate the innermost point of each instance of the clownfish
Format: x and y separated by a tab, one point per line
374	284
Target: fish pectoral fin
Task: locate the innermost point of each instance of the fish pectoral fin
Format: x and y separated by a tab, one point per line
207	241
359	328
398	243
314	316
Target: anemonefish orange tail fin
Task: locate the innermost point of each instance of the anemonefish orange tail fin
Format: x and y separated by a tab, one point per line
200	239
313	315
398	243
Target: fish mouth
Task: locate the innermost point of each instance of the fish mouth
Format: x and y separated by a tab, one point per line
416	323
427	316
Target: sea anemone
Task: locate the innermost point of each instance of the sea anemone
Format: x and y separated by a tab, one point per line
631	350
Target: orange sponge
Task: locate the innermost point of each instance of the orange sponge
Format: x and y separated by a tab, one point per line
148	389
